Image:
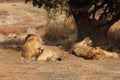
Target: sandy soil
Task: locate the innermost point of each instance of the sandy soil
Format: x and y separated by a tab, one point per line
72	68
22	14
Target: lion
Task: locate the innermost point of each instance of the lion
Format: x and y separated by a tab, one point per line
84	49
31	47
51	53
89	52
86	42
114	31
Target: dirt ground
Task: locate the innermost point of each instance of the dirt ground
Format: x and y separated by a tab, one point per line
71	68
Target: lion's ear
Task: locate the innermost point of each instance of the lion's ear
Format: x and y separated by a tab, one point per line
28	36
29	39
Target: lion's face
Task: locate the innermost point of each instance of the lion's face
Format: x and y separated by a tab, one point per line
31	47
34	41
86	42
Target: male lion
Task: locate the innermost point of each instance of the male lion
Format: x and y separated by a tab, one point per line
31	47
85	49
51	53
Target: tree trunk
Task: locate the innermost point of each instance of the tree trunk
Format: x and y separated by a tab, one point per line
86	27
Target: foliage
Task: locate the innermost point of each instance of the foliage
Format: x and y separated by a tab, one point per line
53	7
111	10
50	4
100	12
108	8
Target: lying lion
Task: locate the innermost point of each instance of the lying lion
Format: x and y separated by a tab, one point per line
51	53
31	47
85	49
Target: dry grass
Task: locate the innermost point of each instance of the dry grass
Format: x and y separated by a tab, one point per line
60	35
57	32
41	32
10	0
13	30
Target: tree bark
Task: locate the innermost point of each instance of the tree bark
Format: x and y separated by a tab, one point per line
87	27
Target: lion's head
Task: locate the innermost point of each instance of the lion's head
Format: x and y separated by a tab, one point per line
86	42
31	47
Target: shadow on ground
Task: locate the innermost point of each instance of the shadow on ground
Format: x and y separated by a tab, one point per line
12	44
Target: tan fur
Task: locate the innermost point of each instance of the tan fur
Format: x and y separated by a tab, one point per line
98	54
31	47
85	49
51	53
89	52
114	31
109	54
86	42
